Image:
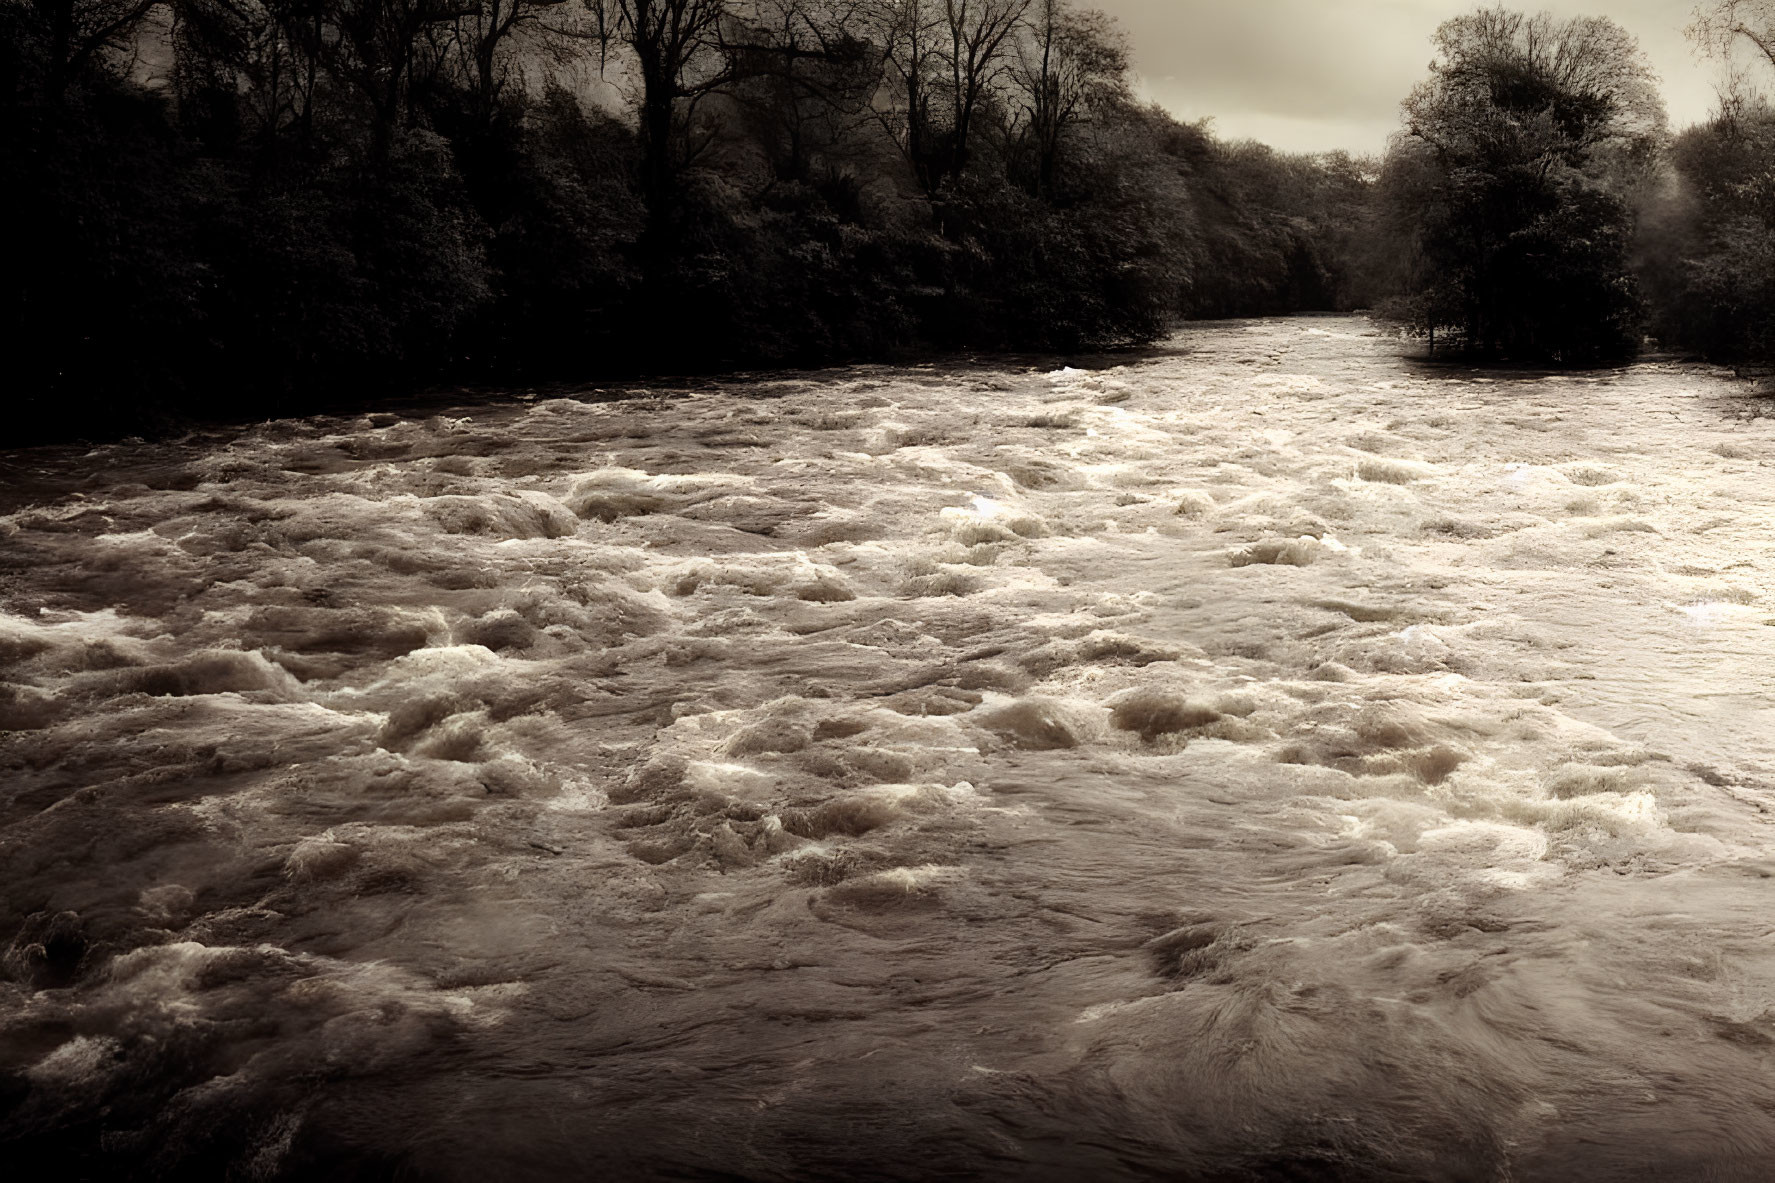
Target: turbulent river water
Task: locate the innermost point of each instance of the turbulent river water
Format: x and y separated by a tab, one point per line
1270	759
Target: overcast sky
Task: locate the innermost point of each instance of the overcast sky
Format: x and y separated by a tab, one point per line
1313	75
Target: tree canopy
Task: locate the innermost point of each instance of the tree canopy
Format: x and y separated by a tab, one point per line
254	207
1512	181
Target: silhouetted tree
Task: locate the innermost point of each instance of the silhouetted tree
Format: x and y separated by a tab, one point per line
385	49
978	37
77	32
1529	131
910	33
482	39
805	76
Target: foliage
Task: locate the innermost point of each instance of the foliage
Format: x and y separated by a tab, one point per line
1276	232
1710	263
1514	178
1708	257
241	208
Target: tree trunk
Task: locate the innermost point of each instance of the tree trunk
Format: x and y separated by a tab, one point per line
657	179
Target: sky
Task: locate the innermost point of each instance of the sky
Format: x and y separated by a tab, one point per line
1317	75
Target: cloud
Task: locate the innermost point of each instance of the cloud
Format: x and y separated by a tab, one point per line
1311	75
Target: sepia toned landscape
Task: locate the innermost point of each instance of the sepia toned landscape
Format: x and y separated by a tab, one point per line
667	590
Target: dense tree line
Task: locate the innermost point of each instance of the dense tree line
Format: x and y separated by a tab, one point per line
246	207
238	208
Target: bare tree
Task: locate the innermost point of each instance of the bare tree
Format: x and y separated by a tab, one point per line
1068	66
379	48
1718	30
908	30
1722	24
80	31
979	35
482	40
271	63
943	58
808	78
677	47
275	54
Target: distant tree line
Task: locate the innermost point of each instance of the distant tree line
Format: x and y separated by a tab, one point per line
241	208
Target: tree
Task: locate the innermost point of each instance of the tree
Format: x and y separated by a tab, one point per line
677	47
80	31
945	58
1712	264
482	36
1723	24
381	48
805	77
979	36
909	32
1710	261
334	197
1530	132
1069	66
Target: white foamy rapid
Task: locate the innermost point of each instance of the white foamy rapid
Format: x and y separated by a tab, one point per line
1270	760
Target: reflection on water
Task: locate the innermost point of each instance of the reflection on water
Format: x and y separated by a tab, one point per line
1269	762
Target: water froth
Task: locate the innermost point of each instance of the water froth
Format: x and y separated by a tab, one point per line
1267	761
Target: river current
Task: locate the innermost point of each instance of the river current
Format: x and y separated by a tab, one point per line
1269	758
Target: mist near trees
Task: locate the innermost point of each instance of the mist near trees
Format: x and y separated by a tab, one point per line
241	208
1709	234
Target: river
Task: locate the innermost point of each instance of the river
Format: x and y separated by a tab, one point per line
1266	758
